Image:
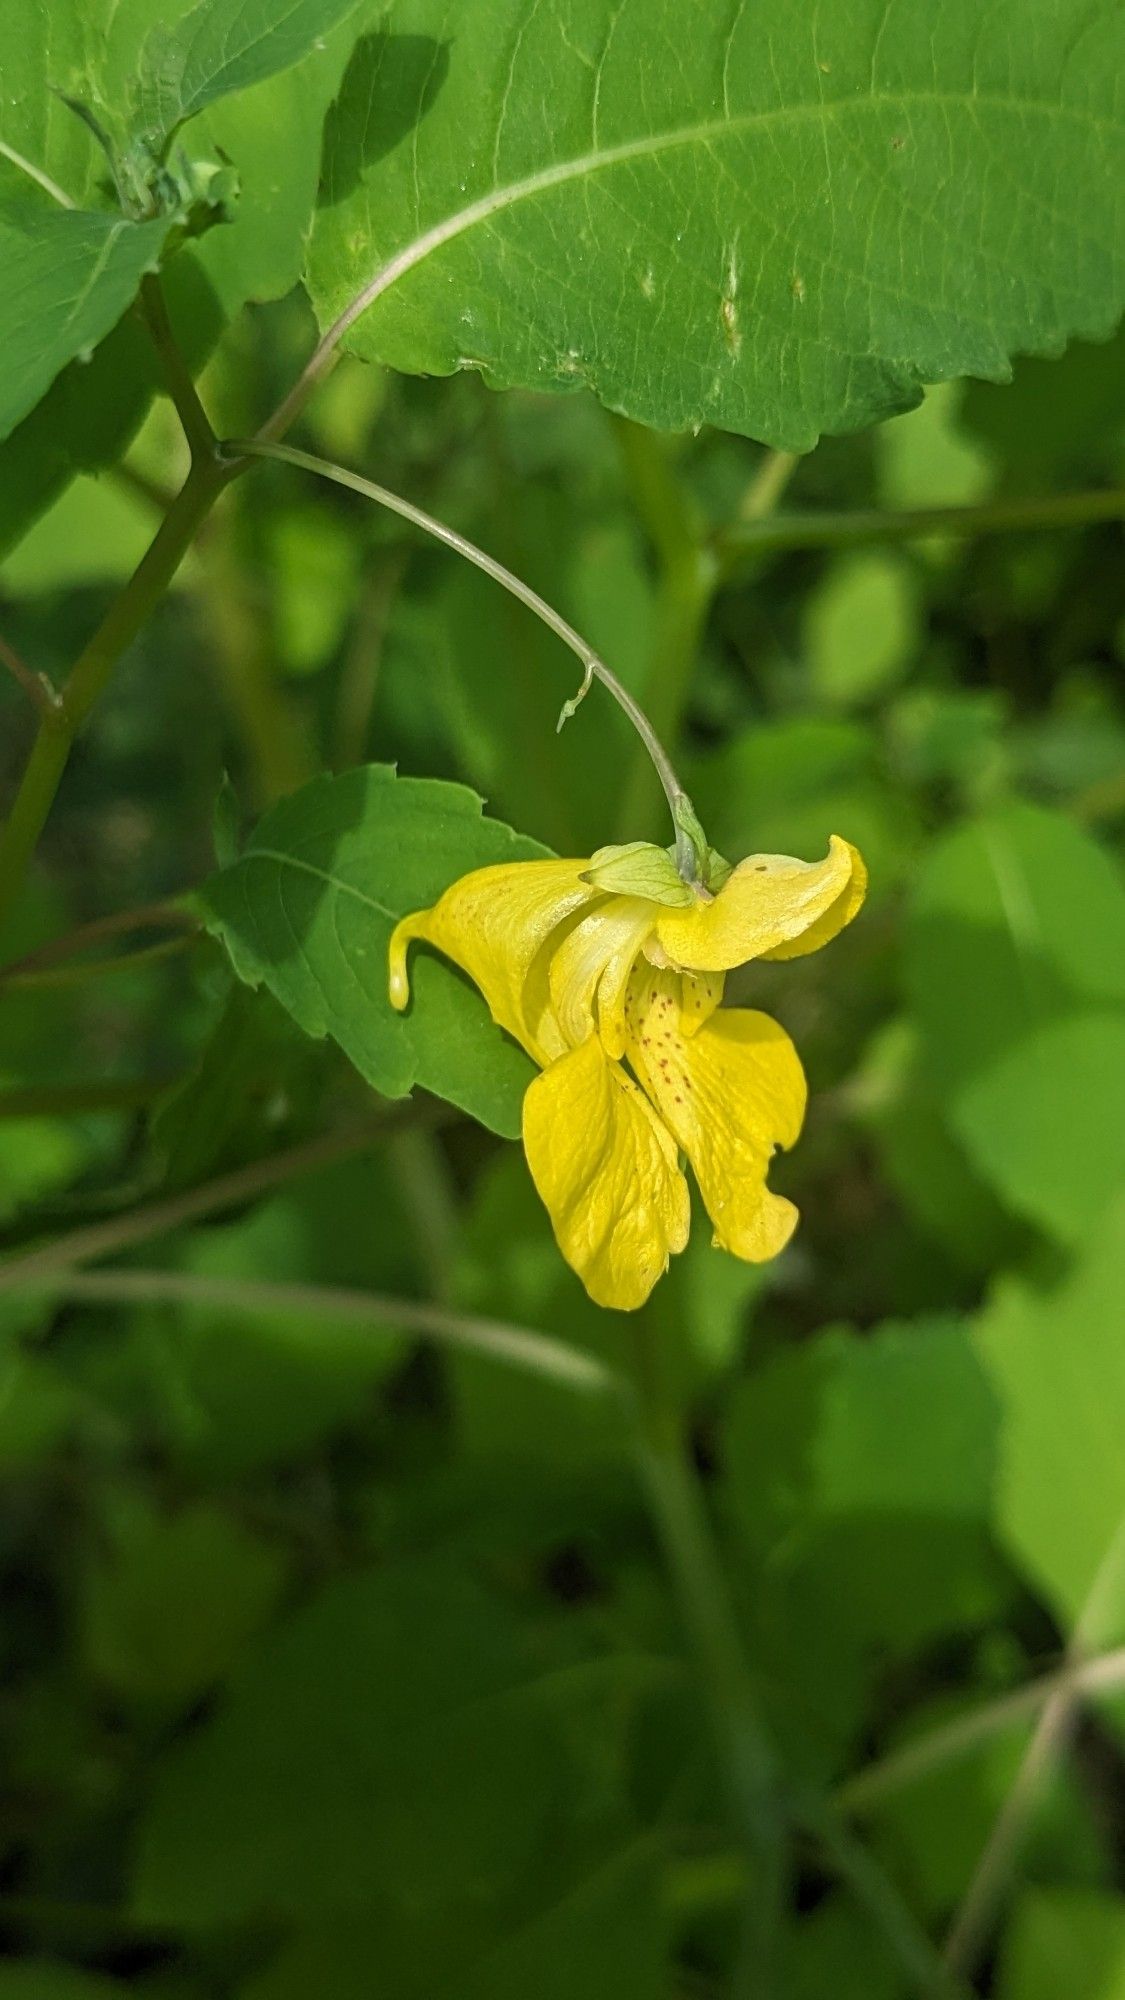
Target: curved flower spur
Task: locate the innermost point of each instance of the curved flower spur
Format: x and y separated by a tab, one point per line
610	973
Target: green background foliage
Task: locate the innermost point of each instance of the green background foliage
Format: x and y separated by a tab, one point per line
356	1641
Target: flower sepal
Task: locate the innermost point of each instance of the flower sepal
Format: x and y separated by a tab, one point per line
639	869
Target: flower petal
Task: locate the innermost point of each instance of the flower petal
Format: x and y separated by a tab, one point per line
494	924
608	1175
771	907
836	917
592	964
730	1094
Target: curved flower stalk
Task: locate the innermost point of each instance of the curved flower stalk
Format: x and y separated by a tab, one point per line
610	973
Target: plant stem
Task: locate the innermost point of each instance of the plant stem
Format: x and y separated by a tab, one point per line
689	576
764	1809
51	977
260	706
119	627
169	914
36	687
495	1339
893	1774
684	594
771	477
748	1759
969	1931
745	539
594	667
177	375
170	1212
874	1891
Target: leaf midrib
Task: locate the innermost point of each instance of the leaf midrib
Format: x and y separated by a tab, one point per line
710	132
321	874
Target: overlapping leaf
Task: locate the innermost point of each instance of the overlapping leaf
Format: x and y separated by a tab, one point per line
308	908
777	219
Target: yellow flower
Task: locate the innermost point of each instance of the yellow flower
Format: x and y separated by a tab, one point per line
614	994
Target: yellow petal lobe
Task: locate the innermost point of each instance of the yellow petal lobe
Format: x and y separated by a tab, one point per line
590	969
730	1094
608	1175
772	906
495	923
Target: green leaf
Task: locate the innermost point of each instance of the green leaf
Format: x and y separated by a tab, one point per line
172	1600
271	132
923	1161
781	223
308	909
220	47
860	629
1065	1941
232	1393
1017	919
68	277
600	1936
1055	418
604	1938
784	787
1046	1123
392	1743
93	410
859	1474
1056	1366
41	1979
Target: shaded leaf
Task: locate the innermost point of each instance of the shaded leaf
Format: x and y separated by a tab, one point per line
1068	1941
1055	1362
1017	919
308	909
221	46
1046	1122
391	1741
68	277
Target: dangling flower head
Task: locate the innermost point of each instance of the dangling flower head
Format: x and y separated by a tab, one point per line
610	973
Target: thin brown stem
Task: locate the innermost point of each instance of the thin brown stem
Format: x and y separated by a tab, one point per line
168	915
38	689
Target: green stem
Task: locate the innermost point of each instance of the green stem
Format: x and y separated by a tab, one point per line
764	1809
177	1211
36	687
688	578
496	1340
743	540
177	375
594	667
172	913
683	601
260	707
128	612
53	976
747	1757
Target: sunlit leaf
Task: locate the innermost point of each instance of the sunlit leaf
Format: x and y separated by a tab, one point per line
782	222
